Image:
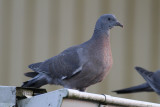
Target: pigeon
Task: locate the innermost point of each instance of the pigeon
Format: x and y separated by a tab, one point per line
78	66
152	78
152	83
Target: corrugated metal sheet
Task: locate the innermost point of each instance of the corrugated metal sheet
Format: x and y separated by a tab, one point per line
34	30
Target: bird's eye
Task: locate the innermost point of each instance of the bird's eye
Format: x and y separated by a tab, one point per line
109	19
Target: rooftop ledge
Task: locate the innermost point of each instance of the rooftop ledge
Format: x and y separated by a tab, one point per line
31	97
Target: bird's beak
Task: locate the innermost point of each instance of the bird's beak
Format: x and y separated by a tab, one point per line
118	24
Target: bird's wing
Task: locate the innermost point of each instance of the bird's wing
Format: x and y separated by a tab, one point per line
150	77
139	88
63	66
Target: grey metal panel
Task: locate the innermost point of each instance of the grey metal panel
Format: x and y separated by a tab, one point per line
7	96
50	99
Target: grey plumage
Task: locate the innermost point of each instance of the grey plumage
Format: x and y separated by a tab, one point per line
78	66
152	78
152	82
139	88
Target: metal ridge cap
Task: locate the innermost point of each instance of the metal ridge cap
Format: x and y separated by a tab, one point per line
107	99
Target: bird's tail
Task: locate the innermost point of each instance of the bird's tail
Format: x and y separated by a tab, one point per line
35	68
140	88
31	74
38	79
36	82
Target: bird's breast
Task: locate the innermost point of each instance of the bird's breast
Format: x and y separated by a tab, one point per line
106	62
103	59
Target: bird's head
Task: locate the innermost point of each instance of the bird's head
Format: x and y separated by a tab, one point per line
106	22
